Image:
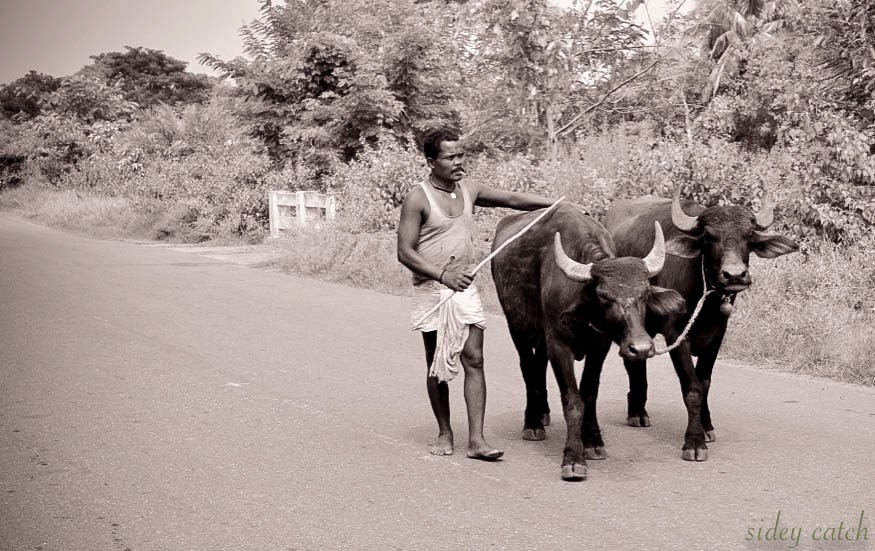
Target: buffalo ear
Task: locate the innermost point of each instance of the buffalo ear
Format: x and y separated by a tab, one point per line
665	302
772	246
570	320
683	246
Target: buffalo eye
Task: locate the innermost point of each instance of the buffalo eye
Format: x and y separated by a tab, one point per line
710	236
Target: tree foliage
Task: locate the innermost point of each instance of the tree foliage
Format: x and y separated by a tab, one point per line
25	97
545	65
89	99
843	33
148	77
325	78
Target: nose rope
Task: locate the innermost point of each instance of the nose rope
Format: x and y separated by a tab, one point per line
660	340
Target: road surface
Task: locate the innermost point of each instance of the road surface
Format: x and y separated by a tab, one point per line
160	398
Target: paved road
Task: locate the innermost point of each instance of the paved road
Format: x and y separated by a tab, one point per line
160	399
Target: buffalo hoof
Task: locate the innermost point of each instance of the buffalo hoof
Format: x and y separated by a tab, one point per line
595	453
710	436
699	454
534	435
545	420
638	421
574	473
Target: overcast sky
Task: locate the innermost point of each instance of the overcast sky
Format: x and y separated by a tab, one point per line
57	37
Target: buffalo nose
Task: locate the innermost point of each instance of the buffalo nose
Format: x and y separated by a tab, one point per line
641	349
738	276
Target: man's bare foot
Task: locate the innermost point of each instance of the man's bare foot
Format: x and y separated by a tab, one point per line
444	444
484	452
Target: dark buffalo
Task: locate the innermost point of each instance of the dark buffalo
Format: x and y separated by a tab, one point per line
714	243
563	290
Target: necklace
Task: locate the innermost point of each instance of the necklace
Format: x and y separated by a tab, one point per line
452	192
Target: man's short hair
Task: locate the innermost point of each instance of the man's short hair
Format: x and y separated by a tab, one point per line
431	140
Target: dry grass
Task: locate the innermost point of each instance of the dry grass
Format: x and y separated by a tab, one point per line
812	313
105	216
96	215
365	260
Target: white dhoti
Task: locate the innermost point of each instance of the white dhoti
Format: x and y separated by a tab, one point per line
451	321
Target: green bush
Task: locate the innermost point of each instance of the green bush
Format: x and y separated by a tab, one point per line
11	167
371	188
812	201
208	177
52	145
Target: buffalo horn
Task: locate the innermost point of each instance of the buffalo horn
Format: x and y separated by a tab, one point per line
766	215
656	257
571	268
679	218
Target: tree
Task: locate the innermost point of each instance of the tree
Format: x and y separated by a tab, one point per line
148	77
421	81
25	97
331	75
842	33
728	26
544	62
89	100
316	103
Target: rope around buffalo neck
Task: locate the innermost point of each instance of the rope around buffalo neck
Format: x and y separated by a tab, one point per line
698	309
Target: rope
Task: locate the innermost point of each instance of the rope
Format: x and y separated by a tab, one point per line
663	349
495	252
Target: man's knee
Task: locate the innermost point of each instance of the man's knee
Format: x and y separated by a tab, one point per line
472	359
472	353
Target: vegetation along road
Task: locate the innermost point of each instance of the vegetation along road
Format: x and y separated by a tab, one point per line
160	399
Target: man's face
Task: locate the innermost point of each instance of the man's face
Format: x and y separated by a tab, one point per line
448	166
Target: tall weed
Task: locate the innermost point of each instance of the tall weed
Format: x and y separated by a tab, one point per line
814	312
371	188
330	253
81	212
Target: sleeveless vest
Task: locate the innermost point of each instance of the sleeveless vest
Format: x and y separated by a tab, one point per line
443	239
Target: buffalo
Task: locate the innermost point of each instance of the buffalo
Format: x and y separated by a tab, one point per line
708	251
566	295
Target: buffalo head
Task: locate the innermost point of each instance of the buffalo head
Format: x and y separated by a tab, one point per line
724	236
617	295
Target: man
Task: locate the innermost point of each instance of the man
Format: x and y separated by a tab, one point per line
435	241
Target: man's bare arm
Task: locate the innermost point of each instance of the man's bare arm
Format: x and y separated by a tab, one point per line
490	197
408	236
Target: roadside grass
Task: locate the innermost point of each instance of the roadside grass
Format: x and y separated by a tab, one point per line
813	312
96	215
365	260
109	217
810	312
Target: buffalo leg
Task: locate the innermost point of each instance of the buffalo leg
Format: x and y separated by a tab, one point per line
694	448
637	397
704	368
541	382
593	445
533	365
573	458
